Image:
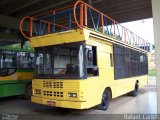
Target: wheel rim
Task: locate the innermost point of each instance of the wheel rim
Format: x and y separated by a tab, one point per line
104	100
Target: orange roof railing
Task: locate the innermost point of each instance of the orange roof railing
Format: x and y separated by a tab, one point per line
80	15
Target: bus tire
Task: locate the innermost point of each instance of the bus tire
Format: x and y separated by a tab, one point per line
28	92
134	93
105	101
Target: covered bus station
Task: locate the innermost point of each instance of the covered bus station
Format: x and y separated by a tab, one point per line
11	14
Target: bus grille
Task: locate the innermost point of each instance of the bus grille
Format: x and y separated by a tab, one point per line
52	93
50	84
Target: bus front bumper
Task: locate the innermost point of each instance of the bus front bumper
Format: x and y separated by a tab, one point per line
58	103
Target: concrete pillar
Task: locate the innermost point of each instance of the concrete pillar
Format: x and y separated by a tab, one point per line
156	23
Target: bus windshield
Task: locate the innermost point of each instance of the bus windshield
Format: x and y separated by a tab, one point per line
60	61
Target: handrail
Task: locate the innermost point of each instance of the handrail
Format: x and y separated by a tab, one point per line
37	17
87	16
21	27
125	33
31	26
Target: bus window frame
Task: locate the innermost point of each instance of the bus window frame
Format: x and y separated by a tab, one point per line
94	70
131	57
30	66
54	76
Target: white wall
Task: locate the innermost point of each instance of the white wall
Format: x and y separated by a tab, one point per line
156	24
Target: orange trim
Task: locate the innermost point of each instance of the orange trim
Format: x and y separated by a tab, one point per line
81	15
49	27
61	26
102	21
113	21
74	14
54	12
80	22
21	27
31	27
85	14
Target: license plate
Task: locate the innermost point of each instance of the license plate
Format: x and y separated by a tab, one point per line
51	103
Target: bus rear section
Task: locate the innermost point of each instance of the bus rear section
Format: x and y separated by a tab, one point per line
16	72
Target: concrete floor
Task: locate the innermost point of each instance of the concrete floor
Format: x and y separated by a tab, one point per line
145	102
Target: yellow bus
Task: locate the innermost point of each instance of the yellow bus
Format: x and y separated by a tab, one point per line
16	72
84	67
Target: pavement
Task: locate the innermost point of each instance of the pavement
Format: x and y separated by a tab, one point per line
144	103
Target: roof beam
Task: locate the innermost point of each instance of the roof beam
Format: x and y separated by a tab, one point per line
9	38
132	15
11	23
41	7
21	5
4	2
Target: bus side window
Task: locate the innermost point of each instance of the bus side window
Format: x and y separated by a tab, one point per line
31	60
91	59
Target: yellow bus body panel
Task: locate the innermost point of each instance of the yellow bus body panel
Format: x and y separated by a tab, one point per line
89	91
59	38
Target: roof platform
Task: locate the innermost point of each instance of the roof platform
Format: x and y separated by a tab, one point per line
78	16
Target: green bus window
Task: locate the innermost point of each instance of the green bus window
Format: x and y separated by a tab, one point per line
7	65
25	60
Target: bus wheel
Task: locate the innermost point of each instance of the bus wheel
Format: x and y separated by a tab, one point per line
28	92
135	91
105	101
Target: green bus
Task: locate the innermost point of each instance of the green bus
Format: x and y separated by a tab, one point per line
16	72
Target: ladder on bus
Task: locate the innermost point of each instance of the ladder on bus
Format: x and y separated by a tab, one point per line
78	16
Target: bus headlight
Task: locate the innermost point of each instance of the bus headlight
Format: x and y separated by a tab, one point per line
72	95
37	91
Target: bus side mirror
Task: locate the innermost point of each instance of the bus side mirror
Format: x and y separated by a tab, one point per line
90	55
